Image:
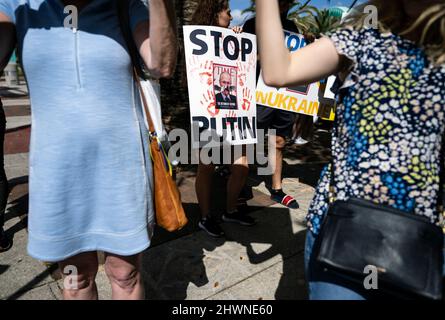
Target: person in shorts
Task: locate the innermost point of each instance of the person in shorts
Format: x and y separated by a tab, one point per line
279	120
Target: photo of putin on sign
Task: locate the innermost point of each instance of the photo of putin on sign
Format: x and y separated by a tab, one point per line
225	99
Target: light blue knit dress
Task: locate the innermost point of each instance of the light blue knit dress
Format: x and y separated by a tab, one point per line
90	175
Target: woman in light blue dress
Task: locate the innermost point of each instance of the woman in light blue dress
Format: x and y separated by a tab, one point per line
90	173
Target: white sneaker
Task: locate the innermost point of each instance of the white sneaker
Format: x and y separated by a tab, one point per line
300	141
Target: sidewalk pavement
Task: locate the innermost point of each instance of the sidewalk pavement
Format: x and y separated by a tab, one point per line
263	262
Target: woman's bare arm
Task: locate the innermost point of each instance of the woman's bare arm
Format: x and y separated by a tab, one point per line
156	39
281	68
7	40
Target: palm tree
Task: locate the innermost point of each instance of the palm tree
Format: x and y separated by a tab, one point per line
324	22
300	13
303	17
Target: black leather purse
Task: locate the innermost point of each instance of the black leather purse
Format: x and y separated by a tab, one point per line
405	249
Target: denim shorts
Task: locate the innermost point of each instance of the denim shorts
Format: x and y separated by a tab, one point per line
326	286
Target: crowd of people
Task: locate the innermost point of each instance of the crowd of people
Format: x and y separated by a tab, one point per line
91	180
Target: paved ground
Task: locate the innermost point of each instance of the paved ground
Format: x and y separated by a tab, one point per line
262	262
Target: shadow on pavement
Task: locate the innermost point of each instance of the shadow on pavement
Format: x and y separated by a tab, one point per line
10	92
33	283
169	272
18	204
275	229
3	268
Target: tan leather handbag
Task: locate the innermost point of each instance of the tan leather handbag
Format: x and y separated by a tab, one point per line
170	214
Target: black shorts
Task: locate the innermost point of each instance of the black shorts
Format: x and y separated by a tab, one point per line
280	120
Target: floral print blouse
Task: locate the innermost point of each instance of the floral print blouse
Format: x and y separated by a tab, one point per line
387	140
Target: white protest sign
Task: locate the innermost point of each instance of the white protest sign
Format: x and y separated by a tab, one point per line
328	93
221	74
299	99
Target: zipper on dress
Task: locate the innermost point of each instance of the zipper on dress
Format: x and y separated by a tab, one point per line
76	56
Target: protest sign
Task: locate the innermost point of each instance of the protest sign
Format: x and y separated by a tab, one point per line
298	99
221	74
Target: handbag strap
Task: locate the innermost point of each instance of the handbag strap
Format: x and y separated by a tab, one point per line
123	10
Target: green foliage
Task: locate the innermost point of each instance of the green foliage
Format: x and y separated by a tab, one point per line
295	5
307	18
321	22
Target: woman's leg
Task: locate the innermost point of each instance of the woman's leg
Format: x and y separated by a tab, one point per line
125	276
239	172
79	276
203	186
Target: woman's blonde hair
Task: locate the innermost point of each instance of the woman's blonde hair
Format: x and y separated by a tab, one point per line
391	19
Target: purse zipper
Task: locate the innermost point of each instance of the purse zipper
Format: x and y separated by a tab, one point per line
76	56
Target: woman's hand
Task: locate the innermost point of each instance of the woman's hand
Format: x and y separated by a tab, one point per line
237	29
282	68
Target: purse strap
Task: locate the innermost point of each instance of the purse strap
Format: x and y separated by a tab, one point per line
123	10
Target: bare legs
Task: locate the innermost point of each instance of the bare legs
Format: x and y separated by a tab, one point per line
79	283
204	181
239	172
123	272
203	186
125	277
277	162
